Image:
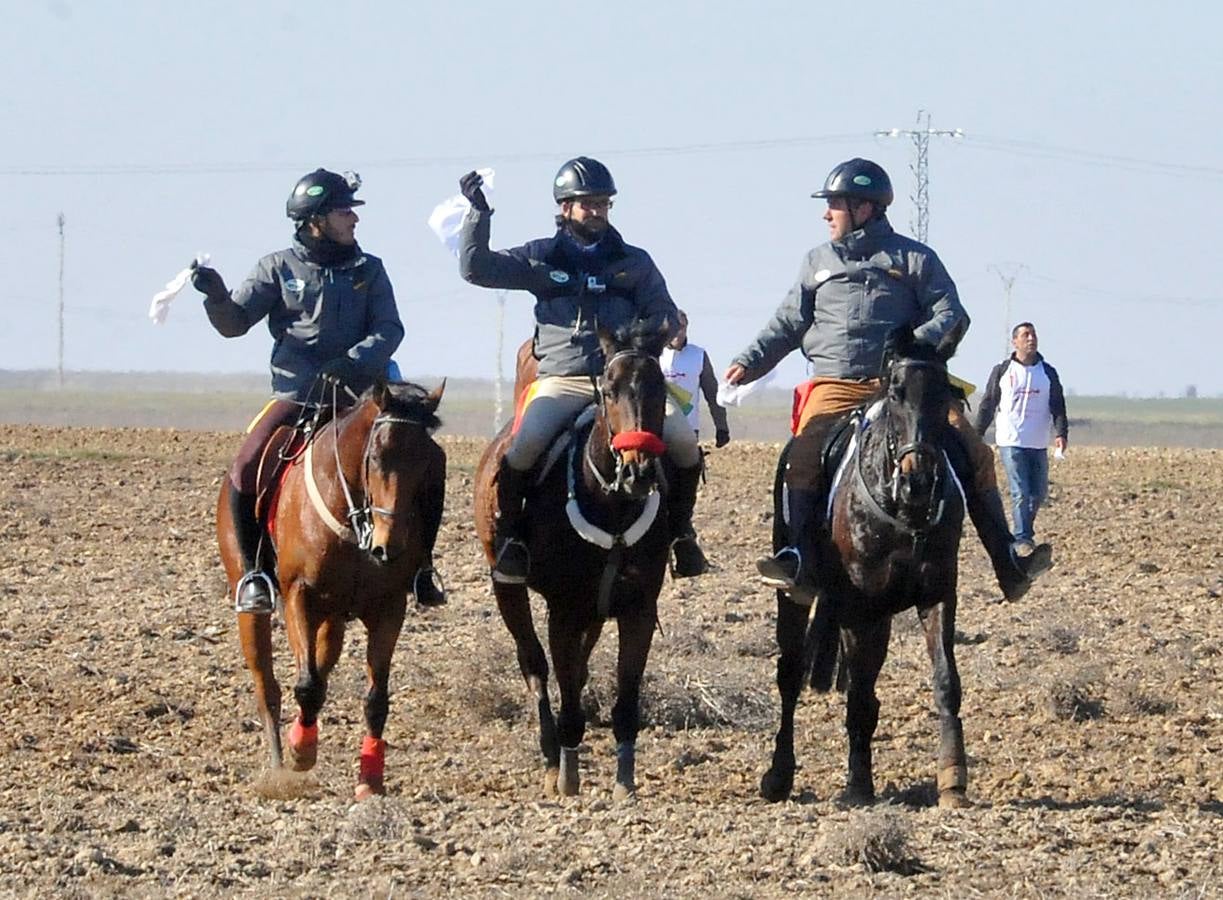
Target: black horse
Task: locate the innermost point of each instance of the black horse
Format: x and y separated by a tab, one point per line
599	541
895	518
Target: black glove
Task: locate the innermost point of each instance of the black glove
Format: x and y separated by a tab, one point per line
341	370
208	281
469	185
721	438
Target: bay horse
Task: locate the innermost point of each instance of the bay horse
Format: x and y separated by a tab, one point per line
599	544
346	527
894	524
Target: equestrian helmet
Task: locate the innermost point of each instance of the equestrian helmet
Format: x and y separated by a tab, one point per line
321	192
858	178
582	177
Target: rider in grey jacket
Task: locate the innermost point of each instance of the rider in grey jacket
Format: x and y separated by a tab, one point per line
331	312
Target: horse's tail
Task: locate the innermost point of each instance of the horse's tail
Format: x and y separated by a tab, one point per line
823	646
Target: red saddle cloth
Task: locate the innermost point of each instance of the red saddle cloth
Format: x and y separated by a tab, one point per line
801	394
279	453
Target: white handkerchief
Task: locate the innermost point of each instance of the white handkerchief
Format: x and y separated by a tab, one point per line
446	220
734	394
160	307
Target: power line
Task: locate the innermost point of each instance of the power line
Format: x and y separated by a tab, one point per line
921	143
413	162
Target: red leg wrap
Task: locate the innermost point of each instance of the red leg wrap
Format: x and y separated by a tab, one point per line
303	735
373	759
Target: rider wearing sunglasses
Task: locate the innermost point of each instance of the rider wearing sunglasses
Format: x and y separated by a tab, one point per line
851	292
331	311
584	277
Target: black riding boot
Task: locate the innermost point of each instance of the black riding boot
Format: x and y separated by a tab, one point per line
795	562
513	559
254	591
1014	572
425	584
689	558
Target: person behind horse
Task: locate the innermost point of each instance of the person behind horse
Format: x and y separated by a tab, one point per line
688	370
584	277
331	312
851	293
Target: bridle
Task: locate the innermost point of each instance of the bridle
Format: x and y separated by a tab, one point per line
361	518
625	440
894	453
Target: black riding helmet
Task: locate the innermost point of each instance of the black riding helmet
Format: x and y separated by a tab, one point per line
859	178
582	177
320	192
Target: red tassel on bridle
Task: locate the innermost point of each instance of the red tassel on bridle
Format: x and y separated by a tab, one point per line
646	441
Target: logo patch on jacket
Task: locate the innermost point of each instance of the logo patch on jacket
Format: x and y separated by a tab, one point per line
558	276
296	285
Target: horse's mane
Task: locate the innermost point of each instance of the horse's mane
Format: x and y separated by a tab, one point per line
410	401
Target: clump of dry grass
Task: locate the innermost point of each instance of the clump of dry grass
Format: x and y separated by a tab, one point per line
1131	697
1074	697
377	819
493	687
876	838
1060	639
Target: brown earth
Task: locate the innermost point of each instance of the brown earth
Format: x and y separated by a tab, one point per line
130	754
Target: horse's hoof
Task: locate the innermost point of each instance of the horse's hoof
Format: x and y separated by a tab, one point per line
365	791
568	780
858	796
302	759
550	776
568	787
776	787
953	799
622	792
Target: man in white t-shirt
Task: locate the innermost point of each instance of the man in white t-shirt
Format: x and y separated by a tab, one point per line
1024	399
688	370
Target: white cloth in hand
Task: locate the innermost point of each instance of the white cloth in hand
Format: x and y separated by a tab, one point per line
160	307
446	220
735	394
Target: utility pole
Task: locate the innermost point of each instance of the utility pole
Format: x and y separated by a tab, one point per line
1007	272
497	384
921	135
60	221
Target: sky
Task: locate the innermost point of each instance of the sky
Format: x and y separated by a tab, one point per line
1090	170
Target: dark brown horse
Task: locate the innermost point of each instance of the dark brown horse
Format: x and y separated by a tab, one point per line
348	538
597	532
895	521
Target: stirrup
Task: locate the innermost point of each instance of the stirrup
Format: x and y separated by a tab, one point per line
776	570
255	601
512	577
428	573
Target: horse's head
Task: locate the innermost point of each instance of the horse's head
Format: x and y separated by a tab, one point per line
399	454
917	399
633	403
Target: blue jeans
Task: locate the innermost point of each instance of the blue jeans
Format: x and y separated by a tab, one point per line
1027	470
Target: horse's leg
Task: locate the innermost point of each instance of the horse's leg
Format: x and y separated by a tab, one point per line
866	647
514	605
636	634
938	621
316	643
792	617
255	634
571	646
383	634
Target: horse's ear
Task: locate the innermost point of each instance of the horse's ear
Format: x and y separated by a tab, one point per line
435	395
607	342
380	392
898	343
